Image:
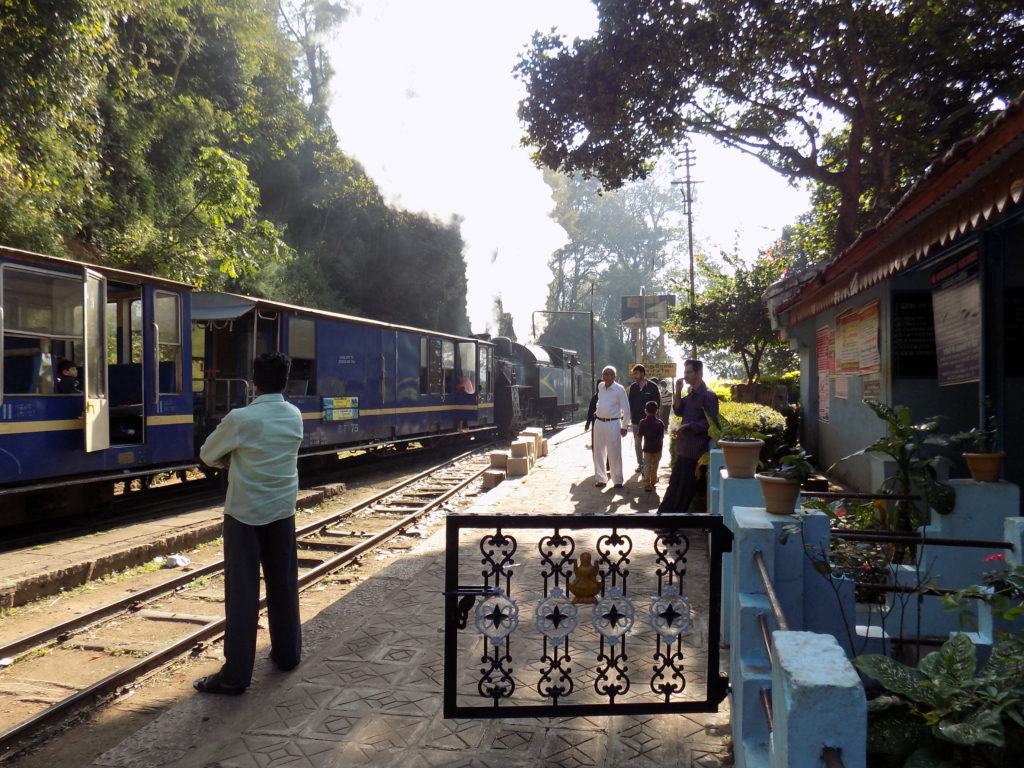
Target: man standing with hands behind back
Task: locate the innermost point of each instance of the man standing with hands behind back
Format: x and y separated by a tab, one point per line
610	426
641	392
259	446
692	440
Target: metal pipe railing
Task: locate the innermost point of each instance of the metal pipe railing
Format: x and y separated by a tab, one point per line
917	538
766	705
769	591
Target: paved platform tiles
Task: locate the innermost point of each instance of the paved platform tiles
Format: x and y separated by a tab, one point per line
369	694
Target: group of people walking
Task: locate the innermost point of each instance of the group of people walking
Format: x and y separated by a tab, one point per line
614	411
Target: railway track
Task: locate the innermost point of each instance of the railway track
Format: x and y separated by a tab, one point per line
112	647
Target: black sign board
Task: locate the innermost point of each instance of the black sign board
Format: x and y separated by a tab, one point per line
913	335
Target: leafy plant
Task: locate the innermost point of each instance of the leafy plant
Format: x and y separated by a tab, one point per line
794	467
966	715
727	429
976	439
915	472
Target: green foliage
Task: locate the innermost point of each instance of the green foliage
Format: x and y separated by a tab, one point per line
790	380
794	466
618	243
945	707
730	311
978	440
174	137
737	421
722	388
904	443
904	80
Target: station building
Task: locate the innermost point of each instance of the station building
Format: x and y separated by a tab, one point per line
925	310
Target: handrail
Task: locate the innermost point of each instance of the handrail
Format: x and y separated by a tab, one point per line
851	495
769	591
917	538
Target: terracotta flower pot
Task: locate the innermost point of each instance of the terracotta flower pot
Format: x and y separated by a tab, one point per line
779	493
741	456
985	467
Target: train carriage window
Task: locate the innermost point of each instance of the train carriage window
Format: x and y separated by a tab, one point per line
431	373
42	318
466	382
484	371
167	314
302	350
447	365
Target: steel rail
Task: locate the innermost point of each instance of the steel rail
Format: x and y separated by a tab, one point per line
130	602
158	658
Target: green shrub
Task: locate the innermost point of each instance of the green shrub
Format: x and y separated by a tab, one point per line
723	388
790	380
761	418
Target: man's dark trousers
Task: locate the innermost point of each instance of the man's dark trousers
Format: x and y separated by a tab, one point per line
245	548
682	486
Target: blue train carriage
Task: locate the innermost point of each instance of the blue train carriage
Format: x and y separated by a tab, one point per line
125	410
357	382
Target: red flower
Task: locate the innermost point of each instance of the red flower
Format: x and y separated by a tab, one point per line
990	558
866	566
840	512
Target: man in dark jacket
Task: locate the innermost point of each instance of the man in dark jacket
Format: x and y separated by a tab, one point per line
641	392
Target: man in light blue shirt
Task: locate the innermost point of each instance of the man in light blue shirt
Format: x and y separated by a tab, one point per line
259	446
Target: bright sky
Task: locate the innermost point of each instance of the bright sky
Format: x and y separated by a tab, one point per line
425	99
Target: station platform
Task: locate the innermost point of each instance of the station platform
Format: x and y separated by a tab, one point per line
368	693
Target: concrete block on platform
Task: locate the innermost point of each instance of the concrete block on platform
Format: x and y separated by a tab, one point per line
518	465
492	477
520	448
544	447
499	459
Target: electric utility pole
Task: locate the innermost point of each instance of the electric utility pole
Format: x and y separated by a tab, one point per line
687	159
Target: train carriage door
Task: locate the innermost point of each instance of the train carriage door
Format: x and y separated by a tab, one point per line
94	382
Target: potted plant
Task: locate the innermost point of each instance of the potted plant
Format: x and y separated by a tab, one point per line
780	487
979	447
741	445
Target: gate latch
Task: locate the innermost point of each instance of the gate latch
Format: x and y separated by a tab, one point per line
467	597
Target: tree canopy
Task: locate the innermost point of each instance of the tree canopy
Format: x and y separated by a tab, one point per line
854	96
619	243
188	139
729	312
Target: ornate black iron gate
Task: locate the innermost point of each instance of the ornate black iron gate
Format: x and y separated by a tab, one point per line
537	620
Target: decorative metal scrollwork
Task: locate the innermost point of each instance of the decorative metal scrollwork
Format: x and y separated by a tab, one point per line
670	547
498	549
670	614
613	550
497	616
613	619
556	616
558	568
614	615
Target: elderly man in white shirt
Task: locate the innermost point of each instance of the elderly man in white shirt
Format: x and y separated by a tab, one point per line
611	424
